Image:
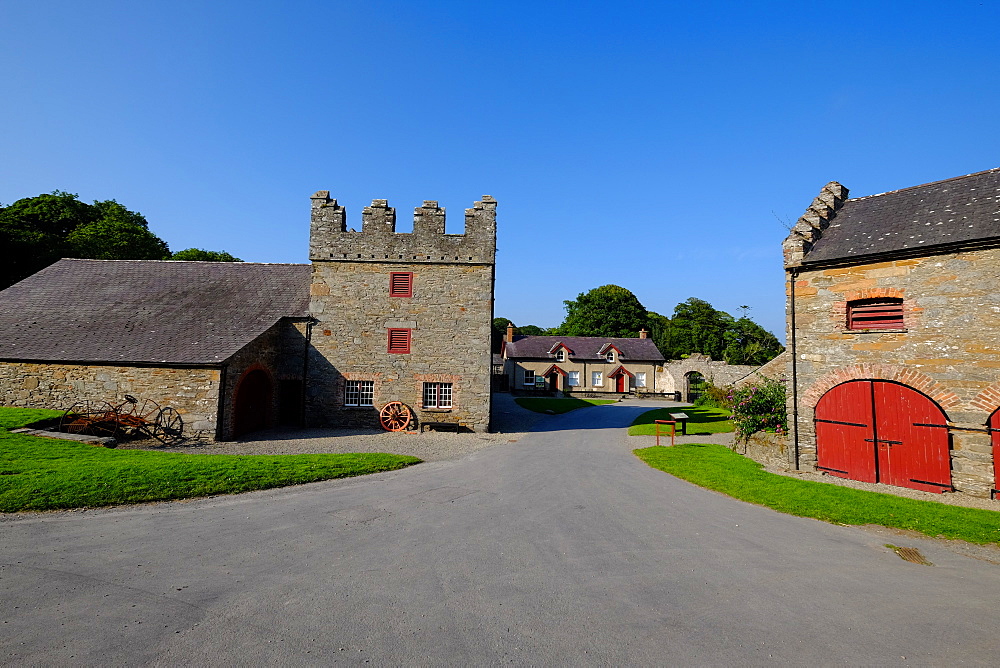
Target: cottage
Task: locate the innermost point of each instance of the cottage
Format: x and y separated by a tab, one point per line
377	318
581	363
893	303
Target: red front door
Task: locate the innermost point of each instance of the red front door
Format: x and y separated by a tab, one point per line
878	431
620	383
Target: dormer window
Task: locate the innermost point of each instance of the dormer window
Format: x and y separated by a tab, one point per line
883	313
610	356
560	355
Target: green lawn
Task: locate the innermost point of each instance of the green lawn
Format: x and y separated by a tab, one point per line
45	474
563	405
703	421
719	468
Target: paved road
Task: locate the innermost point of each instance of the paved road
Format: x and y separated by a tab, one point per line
559	549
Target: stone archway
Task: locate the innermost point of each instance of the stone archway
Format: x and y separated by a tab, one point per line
252	402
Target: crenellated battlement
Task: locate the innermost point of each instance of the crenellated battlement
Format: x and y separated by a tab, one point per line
330	238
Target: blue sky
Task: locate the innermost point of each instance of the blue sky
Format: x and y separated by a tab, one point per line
659	146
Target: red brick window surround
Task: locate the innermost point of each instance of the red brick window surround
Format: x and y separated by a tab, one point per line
399	341
876	313
401	284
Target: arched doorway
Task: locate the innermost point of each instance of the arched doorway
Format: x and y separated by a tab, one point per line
694	386
252	403
621	376
882	431
554	377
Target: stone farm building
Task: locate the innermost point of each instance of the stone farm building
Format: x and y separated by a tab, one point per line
893	307
377	316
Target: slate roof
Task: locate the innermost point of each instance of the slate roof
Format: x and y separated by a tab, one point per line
147	311
583	347
956	211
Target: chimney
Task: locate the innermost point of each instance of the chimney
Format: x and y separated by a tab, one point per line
643	334
510	332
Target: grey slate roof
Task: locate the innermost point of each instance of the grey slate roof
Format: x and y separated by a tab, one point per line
583	347
147	311
959	210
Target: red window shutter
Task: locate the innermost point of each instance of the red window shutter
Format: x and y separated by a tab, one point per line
399	341
875	314
401	284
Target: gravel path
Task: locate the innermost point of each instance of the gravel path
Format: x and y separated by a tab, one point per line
511	422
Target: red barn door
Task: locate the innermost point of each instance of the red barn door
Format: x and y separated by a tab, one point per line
995	433
879	431
844	424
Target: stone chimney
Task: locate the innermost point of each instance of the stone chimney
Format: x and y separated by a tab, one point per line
643	334
510	332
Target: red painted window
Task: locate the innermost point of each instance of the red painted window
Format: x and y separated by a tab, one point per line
875	314
401	284
399	341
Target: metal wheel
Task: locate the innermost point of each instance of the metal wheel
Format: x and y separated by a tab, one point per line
96	418
395	416
168	426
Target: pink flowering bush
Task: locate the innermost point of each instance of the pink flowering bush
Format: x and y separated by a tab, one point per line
759	406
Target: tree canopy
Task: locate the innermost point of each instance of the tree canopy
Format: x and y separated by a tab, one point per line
609	310
37	231
202	255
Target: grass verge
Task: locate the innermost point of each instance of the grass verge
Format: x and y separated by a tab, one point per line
702	420
48	474
558	405
719	468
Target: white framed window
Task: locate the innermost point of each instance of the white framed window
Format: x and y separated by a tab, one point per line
437	395
529	378
640	379
596	378
560	355
610	356
574	379
359	393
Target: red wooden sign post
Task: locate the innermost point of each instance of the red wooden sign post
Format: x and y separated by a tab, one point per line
673	430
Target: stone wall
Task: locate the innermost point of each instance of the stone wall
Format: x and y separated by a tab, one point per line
193	392
449	314
776	369
673	376
771	450
948	348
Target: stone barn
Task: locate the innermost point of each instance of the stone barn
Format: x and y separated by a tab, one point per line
220	342
893	310
378	317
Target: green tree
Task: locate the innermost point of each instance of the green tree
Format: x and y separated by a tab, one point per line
609	310
37	231
749	343
202	255
697	327
532	330
659	332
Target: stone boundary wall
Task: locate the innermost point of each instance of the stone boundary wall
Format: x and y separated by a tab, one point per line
193	392
672	378
776	369
771	450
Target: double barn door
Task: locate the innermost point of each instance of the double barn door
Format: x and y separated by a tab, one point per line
880	431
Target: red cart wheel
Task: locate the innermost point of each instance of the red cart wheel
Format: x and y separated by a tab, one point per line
395	416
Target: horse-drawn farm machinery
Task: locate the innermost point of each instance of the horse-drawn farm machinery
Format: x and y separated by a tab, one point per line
130	419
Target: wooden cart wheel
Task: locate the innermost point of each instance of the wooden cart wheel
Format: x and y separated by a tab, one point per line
168	426
395	416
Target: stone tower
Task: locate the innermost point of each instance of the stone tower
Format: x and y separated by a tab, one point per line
401	316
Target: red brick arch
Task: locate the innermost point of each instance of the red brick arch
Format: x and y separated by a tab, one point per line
988	399
901	374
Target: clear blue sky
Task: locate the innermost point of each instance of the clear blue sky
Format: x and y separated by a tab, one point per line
659	146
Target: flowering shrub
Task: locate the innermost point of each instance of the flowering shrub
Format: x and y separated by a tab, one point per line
759	406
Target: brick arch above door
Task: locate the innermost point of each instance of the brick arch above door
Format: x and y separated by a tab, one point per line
989	399
900	374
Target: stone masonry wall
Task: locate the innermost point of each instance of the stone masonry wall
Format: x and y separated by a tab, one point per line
948	348
449	313
673	377
193	392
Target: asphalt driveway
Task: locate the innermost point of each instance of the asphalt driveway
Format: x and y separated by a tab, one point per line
561	548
